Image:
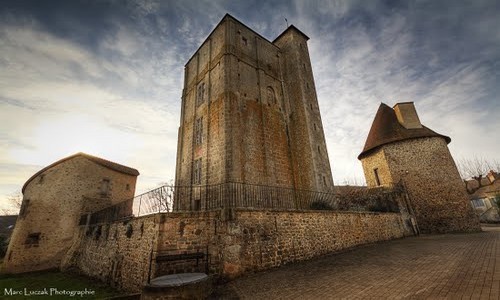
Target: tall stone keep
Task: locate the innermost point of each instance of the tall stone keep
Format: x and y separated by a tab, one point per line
250	113
400	149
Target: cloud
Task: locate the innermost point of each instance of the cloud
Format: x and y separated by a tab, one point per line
107	78
59	98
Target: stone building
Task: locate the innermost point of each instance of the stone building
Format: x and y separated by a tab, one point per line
400	148
250	113
54	199
485	198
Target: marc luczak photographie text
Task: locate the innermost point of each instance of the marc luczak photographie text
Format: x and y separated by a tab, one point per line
48	292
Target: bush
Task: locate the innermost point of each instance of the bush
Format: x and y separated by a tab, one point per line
4	243
320	205
497	200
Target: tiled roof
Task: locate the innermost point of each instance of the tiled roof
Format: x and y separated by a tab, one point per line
487	190
387	129
103	162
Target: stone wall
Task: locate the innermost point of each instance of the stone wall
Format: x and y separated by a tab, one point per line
235	242
260	116
426	167
118	253
259	240
52	205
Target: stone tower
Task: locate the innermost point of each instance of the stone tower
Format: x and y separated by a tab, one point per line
250	113
400	148
54	199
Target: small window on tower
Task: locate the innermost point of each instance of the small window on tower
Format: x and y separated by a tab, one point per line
198	131
197	171
33	239
105	187
377	179
271	96
200	95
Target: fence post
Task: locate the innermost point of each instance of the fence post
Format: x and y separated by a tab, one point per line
140	202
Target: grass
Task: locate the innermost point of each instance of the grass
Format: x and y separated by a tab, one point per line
25	285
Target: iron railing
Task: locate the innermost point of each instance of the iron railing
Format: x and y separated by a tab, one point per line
170	198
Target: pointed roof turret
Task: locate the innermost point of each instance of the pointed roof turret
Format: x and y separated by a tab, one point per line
387	129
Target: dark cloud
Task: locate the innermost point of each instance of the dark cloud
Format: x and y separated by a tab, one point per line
441	54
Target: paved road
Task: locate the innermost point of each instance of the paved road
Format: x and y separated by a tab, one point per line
453	266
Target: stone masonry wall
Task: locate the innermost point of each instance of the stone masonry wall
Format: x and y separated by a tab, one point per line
436	192
116	253
248	98
237	242
259	240
53	203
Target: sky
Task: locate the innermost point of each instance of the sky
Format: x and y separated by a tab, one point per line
106	77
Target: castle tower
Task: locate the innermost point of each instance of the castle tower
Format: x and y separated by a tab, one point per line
250	113
54	199
399	148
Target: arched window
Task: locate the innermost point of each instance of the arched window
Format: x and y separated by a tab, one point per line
271	96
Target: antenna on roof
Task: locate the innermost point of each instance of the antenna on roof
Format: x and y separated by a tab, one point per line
286	22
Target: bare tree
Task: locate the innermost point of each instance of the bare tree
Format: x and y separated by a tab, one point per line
15	201
353	181
476	168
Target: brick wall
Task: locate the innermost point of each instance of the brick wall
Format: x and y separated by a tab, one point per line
237	242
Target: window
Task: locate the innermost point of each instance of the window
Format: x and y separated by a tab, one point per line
197	204
244	41
41	178
197	171
271	96
377	179
198	131
33	239
478	203
105	185
127	187
324	181
200	96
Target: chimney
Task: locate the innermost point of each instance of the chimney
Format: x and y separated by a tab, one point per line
407	115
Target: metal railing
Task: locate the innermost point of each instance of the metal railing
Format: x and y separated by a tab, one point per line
170	198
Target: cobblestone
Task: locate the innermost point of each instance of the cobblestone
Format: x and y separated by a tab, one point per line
454	266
